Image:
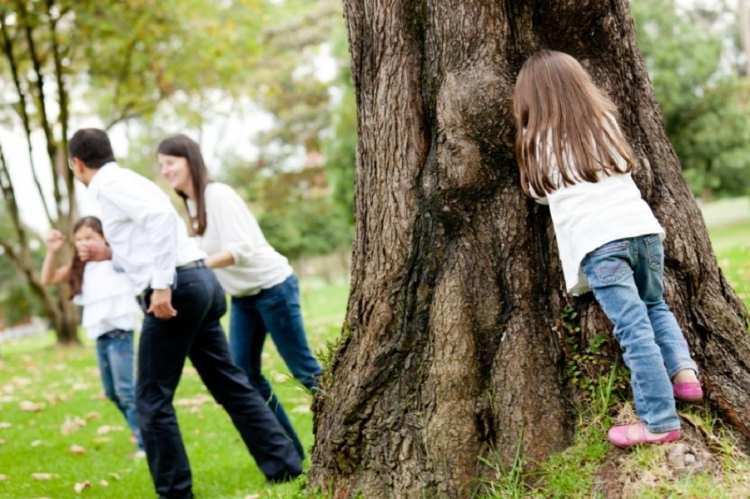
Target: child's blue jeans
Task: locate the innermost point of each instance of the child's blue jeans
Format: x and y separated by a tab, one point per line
114	352
626	277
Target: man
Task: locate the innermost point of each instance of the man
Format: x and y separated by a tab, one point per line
183	303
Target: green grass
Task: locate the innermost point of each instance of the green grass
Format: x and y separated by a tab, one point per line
66	382
732	246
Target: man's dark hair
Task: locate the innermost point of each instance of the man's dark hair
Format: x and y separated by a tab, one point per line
92	146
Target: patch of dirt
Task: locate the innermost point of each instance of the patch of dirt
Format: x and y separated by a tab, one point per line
626	473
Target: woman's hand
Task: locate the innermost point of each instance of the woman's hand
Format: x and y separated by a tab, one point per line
55	241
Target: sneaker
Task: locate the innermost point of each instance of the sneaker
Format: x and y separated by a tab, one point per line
628	435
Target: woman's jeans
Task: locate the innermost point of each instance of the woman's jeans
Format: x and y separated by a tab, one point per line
277	311
114	354
626	277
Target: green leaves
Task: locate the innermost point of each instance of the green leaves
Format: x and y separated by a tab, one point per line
704	102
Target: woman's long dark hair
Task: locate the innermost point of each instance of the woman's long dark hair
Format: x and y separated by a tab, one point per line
75	277
182	146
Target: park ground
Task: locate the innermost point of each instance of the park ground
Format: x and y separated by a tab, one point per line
59	437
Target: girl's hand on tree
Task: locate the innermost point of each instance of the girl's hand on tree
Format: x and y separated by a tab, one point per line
55	240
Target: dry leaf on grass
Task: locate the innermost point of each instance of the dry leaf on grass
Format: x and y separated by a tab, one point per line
42	476
301	409
76	449
196	401
3	477
104	483
103	430
93	415
37	443
71	424
81	486
29	406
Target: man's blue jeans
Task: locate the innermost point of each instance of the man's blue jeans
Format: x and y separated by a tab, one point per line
277	311
626	277
114	353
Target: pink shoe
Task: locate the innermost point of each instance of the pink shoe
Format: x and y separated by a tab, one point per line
690	391
619	436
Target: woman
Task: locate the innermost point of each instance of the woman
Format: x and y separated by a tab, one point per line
264	289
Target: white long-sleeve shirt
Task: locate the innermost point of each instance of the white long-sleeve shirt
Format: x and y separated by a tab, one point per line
147	237
230	226
587	215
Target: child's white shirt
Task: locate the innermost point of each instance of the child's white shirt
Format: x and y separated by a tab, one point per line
587	215
108	300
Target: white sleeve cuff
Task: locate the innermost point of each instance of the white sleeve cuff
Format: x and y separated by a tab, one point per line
162	279
241	252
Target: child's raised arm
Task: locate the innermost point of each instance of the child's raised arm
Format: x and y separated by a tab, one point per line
51	275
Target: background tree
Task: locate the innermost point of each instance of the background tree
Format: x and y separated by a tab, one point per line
458	327
704	97
301	182
114	62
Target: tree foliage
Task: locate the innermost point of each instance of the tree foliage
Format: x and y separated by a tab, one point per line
692	57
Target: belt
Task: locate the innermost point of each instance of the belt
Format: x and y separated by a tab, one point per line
195	264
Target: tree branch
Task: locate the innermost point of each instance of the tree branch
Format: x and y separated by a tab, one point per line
22	110
9	195
43	118
62	97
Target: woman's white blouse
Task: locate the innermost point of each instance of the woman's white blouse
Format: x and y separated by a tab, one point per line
108	300
230	226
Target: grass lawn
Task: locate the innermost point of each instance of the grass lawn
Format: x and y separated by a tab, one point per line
50	400
60	390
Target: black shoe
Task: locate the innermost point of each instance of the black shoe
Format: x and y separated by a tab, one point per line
283	477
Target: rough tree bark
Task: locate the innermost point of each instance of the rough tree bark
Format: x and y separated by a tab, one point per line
452	345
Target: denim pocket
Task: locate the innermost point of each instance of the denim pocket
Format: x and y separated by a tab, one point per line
610	269
654	252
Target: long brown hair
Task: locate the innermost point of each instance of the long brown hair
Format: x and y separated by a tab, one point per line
75	277
563	118
182	146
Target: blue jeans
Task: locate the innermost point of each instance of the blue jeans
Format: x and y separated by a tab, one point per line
114	353
626	277
275	310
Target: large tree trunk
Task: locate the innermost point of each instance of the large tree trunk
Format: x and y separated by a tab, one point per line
453	345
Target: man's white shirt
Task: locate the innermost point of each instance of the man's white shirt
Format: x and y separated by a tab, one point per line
147	237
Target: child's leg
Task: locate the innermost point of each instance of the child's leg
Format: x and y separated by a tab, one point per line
649	271
105	370
610	275
121	360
